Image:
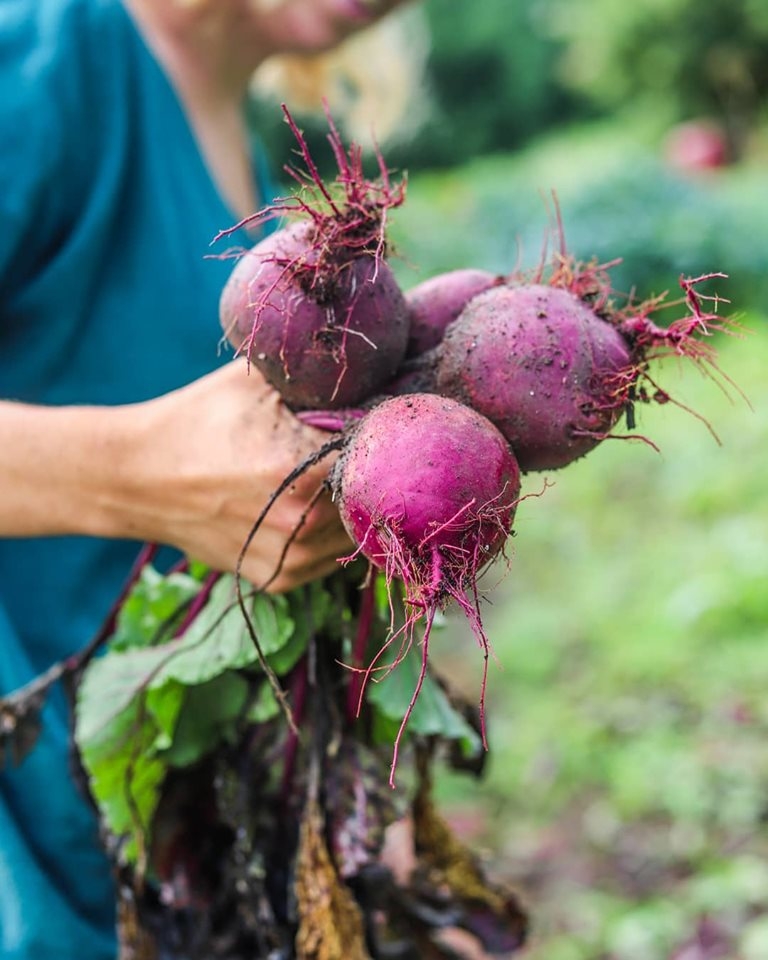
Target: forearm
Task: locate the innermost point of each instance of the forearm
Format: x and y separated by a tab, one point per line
63	469
191	469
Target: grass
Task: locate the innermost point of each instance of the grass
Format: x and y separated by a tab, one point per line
626	793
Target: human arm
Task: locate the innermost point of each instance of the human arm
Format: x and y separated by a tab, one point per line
191	469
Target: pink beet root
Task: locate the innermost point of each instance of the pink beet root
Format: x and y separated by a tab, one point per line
428	490
437	302
326	328
540	364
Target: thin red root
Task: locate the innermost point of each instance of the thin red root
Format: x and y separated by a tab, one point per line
364	625
415	696
599	437
350	212
429	583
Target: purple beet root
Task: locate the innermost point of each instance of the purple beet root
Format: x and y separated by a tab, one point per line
326	330
428	490
437	302
315	305
540	364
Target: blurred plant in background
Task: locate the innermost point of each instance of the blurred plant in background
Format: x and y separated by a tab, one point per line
618	198
492	82
685	57
502	72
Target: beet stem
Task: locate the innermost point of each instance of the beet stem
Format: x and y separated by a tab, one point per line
199	601
299	684
315	457
364	622
76	662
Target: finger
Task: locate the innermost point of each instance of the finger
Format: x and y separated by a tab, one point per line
295	570
322	550
293	546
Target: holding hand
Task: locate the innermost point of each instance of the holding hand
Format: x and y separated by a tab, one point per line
192	469
227	443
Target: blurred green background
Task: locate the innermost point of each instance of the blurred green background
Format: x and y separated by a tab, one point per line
626	793
627	786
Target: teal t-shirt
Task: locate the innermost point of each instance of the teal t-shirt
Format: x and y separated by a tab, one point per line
106	296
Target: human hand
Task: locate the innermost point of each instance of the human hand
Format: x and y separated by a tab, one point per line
206	458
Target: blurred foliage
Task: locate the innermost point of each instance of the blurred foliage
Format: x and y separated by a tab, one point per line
686	57
491	79
490	84
617	199
501	73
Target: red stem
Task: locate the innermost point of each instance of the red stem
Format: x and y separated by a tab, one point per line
298	687
199	602
78	660
359	646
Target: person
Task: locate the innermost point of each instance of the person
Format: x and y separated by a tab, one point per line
124	152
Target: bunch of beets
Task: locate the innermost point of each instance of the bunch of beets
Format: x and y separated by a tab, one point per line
441	396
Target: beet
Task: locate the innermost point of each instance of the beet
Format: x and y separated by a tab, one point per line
428	490
327	328
315	305
541	365
437	302
411	494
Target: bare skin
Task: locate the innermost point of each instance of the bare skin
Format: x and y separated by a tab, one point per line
132	471
192	469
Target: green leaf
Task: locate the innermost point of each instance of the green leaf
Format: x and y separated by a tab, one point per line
433	714
164	704
142	707
217	640
309	610
207	717
125	774
264	706
110	685
151	608
311	606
